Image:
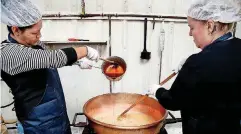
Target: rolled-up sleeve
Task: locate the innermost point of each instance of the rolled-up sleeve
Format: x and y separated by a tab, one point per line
16	59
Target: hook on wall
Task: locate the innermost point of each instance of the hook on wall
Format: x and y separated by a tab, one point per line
154	22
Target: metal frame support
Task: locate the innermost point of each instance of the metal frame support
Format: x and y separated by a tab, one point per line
60	15
109	42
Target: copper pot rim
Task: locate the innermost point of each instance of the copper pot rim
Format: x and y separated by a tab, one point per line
119	126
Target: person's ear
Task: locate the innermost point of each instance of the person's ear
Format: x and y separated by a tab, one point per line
211	26
16	31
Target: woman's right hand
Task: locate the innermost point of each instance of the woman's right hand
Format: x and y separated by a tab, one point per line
84	63
92	54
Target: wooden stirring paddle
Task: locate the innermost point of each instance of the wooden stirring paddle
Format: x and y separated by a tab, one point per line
144	97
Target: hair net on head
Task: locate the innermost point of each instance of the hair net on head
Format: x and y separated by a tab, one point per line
225	11
19	13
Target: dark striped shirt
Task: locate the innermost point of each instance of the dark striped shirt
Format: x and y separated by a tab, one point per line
16	58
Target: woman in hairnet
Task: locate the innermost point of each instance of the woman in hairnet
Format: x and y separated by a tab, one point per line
207	89
30	70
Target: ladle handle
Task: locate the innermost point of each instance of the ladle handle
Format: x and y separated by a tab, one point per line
96	67
106	60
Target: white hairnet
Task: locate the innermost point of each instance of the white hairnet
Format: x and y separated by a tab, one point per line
225	11
19	13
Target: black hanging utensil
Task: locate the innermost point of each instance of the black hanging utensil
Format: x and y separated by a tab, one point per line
144	53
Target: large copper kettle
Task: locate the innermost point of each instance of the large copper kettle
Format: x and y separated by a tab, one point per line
106	103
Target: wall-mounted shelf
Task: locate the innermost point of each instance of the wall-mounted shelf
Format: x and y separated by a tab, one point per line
75	42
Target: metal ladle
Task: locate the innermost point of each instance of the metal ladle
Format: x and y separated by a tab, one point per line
114	63
110	61
106	60
118	64
144	97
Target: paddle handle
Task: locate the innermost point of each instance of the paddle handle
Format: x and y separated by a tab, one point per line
137	102
145	96
168	78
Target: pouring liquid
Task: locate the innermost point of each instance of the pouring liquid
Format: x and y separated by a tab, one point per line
114	103
114	71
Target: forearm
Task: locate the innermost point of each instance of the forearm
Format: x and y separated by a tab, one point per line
16	59
167	100
81	52
183	92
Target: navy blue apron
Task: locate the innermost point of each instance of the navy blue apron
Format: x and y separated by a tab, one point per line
50	115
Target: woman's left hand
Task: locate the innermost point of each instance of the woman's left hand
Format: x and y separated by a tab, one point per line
84	63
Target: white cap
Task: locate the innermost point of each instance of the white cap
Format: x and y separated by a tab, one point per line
225	11
20	13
